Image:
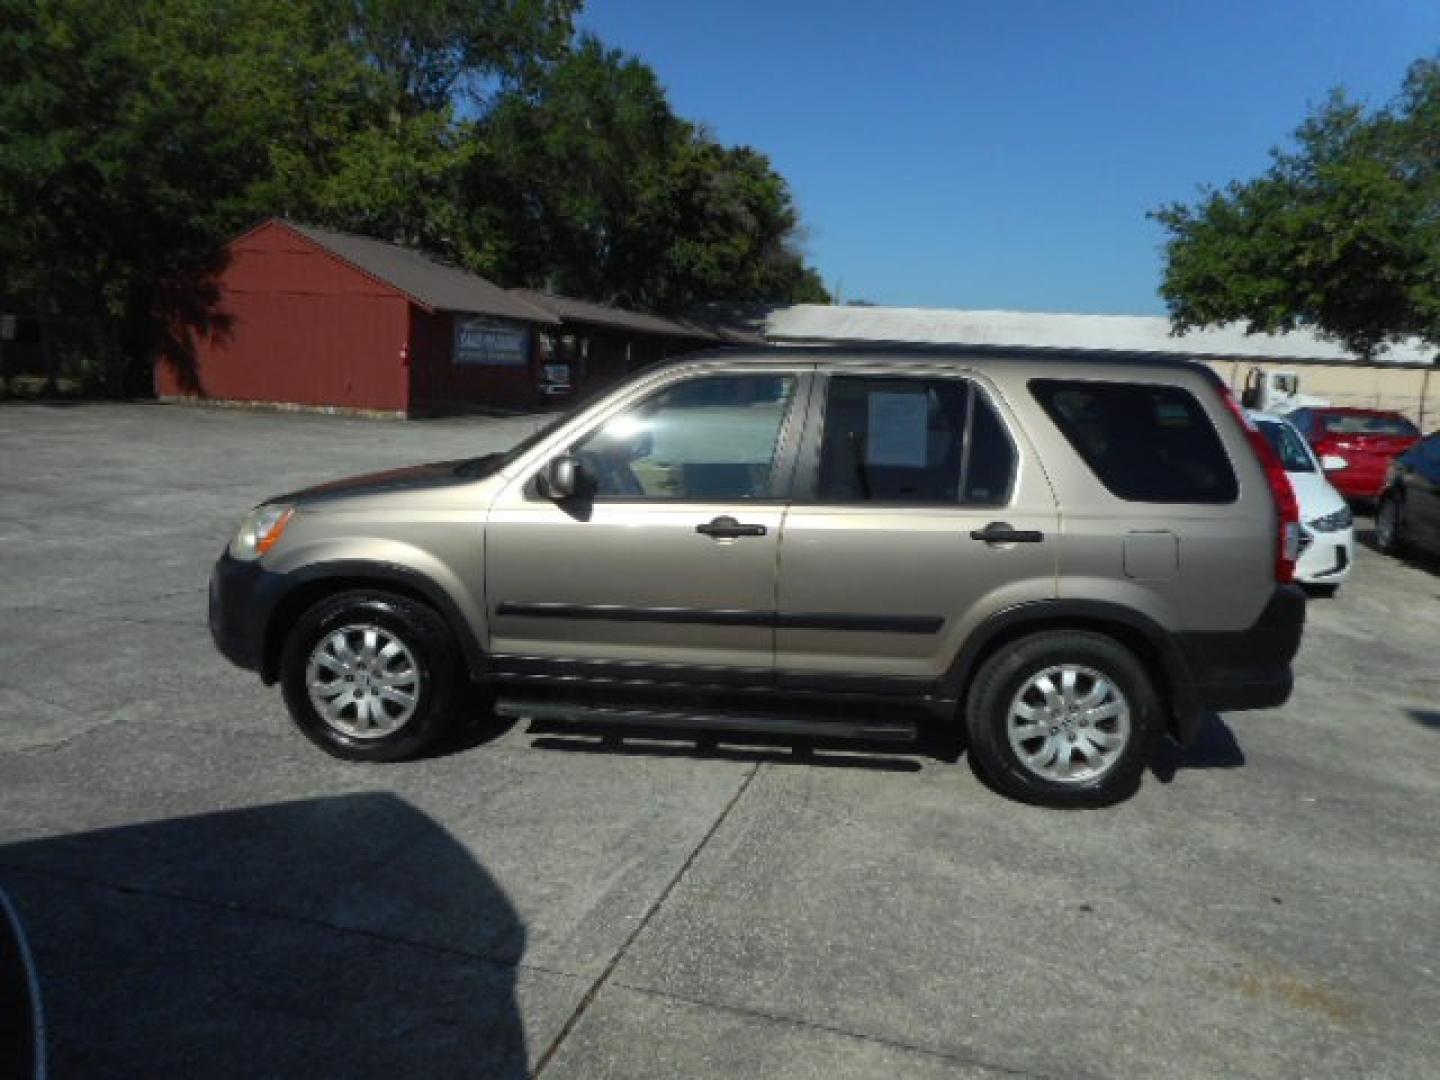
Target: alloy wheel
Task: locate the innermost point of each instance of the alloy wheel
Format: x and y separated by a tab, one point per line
363	681
1069	724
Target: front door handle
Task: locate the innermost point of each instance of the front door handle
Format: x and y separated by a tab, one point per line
727	528
1002	532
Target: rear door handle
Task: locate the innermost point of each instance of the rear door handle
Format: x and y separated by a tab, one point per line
727	528
1002	532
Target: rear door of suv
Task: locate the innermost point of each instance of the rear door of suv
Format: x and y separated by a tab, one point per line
919	509
1167	512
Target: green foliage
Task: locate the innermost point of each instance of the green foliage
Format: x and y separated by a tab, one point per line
597	189
137	136
1341	234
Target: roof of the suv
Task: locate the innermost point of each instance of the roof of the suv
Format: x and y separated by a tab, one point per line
906	353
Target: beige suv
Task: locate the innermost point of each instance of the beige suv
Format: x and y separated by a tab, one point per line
1069	557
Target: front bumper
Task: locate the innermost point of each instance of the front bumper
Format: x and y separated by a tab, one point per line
1327	558
241	603
1247	669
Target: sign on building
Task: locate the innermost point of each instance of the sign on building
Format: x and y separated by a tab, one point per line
492	343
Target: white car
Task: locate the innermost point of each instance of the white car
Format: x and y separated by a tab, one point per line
1327	542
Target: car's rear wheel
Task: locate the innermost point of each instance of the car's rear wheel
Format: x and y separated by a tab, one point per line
1063	718
370	676
1390	524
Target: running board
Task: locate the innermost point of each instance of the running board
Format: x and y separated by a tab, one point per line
750	722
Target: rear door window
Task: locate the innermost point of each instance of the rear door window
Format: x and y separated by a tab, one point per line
928	441
1145	443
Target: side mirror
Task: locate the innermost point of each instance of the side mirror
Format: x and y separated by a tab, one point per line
560	479
1333	463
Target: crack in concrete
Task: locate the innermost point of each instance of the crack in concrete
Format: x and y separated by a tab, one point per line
969	1060
599	984
93	723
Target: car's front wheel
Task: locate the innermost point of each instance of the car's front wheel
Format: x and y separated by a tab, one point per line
370	676
1063	718
1390	524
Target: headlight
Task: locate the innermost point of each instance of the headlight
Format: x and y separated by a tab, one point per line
1340	519
261	530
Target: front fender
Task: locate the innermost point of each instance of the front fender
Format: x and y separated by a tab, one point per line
303	570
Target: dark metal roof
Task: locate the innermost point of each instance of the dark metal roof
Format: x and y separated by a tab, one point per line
569	310
433	284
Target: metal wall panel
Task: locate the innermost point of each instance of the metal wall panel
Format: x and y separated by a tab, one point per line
299	327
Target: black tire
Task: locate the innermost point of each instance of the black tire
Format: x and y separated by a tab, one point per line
1390	539
421	631
1321	591
1001	678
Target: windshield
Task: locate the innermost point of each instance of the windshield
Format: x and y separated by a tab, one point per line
1353	424
1294	455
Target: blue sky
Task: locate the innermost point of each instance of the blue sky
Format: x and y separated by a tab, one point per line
1003	154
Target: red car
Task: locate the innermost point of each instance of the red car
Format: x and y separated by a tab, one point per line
1355	446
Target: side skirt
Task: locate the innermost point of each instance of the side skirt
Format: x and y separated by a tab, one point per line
678	683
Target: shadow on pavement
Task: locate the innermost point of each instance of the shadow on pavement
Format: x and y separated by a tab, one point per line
813	753
1416	560
1214	748
478	726
1428	718
346	936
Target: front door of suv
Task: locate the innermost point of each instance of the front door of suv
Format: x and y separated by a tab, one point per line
665	567
919	510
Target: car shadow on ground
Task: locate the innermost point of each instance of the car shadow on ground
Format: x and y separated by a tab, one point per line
346	936
1426	718
774	750
1215	747
478	725
1416	560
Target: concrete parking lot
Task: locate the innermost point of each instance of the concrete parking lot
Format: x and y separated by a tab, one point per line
208	894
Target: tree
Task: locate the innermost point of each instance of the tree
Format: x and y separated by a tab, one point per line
138	137
735	231
597	189
1341	234
440	50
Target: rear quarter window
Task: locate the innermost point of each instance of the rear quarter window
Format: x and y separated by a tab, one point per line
1145	443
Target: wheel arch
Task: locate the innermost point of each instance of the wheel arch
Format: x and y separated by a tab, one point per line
306	587
1150	642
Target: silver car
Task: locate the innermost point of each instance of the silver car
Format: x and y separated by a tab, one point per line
1066	558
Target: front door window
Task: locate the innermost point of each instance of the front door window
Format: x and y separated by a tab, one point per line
711	439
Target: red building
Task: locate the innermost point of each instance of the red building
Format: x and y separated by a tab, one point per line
322	319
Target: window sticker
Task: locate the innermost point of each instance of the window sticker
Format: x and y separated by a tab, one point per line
898	429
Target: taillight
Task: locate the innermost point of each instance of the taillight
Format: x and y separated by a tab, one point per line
1287	507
